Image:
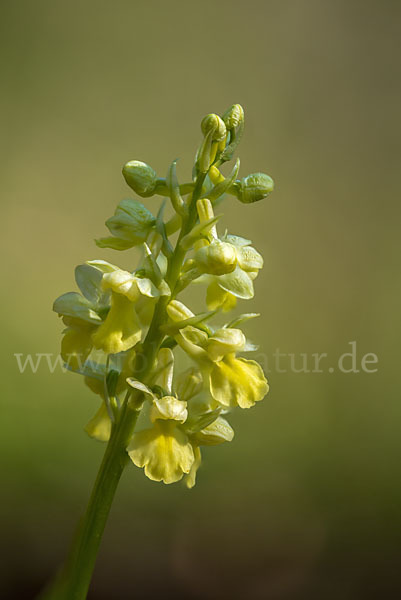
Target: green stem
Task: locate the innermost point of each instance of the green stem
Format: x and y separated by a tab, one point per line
73	582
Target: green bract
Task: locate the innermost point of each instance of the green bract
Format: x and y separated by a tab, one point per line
123	329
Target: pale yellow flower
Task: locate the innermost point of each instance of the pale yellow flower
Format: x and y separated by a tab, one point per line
232	381
229	264
122	329
164	450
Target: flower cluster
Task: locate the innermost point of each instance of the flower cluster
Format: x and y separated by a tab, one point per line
124	329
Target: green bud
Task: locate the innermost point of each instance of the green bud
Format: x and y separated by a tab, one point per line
131	221
233	116
140	177
213	123
254	187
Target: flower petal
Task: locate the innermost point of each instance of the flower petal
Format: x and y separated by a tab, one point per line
102	265
169	407
189	383
249	259
89	281
216	433
225	341
238	283
99	427
138	385
114	243
190	479
121	282
177	311
237	382
236	240
74	305
216	297
76	346
191	341
165	368
164	451
147	288
121	330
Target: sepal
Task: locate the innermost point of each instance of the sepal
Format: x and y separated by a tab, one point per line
74	305
237	283
217	432
89	281
131	222
114	243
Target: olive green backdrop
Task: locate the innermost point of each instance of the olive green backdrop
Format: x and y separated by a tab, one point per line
305	502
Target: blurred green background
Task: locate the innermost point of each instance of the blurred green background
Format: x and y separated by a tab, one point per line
305	502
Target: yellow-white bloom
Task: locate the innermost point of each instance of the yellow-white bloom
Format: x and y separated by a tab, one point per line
232	381
76	343
237	382
82	314
164	450
229	263
122	329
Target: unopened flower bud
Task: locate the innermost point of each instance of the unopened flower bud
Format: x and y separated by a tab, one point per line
215	124
254	187
215	176
205	210
218	258
140	177
177	311
233	116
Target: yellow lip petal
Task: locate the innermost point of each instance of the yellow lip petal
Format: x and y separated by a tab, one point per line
190	479
121	330
237	382
164	452
76	346
216	297
99	427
